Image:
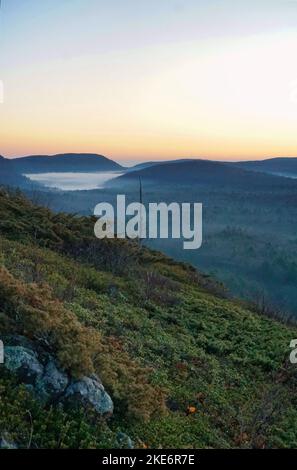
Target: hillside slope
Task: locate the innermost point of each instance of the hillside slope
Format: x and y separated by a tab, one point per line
185	366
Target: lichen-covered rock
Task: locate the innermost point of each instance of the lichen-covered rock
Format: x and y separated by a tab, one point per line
52	383
7	443
43	378
23	362
89	391
124	441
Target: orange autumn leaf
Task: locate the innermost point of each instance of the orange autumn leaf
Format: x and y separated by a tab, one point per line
191	410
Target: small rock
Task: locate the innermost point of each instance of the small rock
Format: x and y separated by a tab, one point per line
52	383
6	443
90	391
124	441
23	362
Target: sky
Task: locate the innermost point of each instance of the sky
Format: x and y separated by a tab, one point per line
149	79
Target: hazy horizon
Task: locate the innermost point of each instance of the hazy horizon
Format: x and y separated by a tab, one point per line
130	163
139	80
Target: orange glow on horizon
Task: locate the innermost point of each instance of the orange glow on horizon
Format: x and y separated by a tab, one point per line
233	101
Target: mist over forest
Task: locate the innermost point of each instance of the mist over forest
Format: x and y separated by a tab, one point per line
249	229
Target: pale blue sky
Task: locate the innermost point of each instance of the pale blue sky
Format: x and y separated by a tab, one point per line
35	29
122	41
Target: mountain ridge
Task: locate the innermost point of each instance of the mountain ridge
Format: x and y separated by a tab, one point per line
9	175
203	172
65	162
277	165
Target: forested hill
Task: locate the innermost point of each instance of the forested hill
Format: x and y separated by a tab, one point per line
108	344
10	176
205	173
282	165
69	162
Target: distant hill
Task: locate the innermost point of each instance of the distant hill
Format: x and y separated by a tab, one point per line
68	162
278	166
9	176
141	166
204	172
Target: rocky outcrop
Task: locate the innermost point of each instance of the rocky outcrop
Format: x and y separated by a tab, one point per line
23	362
50	384
90	392
124	441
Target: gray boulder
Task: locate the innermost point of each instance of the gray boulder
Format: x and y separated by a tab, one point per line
89	391
22	362
48	383
124	441
52	383
7	443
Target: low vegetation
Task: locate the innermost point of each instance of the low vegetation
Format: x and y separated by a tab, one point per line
185	365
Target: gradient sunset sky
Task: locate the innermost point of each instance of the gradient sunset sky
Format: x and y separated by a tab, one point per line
149	79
